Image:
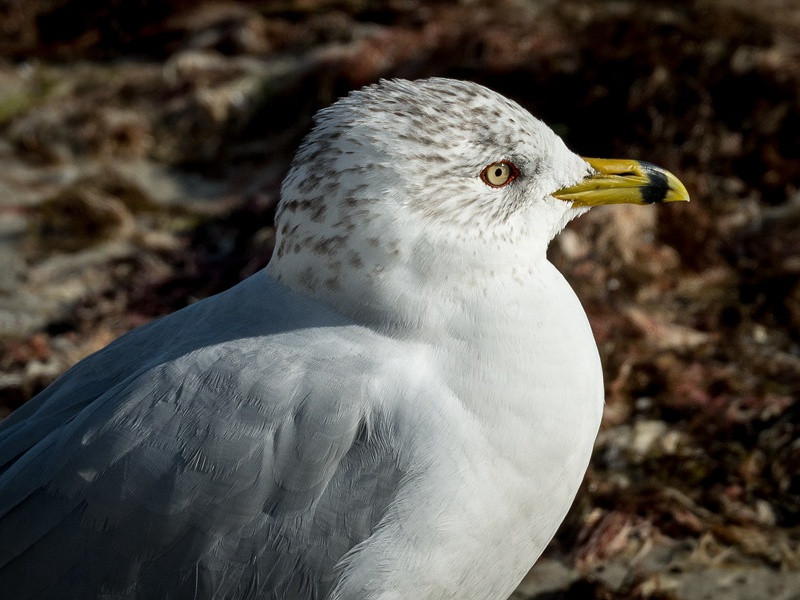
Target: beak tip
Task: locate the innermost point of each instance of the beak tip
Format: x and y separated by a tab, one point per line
678	191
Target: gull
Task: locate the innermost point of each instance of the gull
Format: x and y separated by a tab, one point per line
401	405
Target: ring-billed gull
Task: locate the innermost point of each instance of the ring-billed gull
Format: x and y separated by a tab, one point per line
402	405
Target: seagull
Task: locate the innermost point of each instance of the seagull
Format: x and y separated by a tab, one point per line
401	405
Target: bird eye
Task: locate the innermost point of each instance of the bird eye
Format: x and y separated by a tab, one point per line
499	174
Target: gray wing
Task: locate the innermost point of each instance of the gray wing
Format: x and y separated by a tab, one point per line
234	462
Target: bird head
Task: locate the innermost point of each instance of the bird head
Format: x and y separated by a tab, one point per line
433	176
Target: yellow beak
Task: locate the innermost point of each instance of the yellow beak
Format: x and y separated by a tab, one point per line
617	181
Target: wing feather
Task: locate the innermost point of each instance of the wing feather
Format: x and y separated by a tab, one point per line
211	452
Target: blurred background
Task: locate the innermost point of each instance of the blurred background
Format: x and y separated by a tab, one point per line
142	145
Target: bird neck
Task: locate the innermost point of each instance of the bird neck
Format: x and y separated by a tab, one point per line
485	305
408	277
506	331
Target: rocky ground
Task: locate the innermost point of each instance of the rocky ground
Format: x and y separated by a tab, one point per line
142	146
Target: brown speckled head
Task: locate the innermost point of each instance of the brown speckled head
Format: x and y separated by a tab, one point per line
390	188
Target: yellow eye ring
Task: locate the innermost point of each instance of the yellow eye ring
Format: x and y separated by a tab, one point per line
499	174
